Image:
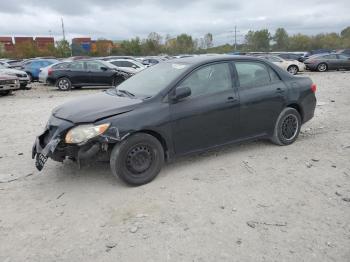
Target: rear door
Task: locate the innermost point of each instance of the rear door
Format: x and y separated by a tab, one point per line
210	116
262	97
77	73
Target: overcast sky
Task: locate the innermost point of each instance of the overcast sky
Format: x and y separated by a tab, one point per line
117	20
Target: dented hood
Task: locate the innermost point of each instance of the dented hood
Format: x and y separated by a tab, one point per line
90	108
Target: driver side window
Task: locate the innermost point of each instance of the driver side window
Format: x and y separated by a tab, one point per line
209	79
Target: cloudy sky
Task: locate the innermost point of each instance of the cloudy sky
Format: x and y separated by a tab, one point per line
117	19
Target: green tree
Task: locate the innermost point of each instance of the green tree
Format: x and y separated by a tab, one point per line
282	39
300	42
258	40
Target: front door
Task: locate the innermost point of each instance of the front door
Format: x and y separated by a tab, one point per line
210	115
98	75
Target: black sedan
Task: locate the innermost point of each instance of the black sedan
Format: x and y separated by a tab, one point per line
87	73
176	108
326	62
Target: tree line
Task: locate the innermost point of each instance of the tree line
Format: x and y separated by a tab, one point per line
155	44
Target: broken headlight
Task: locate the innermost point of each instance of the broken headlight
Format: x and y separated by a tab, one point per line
83	133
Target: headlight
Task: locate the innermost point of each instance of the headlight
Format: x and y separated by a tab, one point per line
83	133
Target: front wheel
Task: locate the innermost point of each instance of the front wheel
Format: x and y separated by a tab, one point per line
287	127
138	159
293	69
64	84
322	67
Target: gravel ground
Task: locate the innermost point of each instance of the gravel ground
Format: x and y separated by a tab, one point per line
249	202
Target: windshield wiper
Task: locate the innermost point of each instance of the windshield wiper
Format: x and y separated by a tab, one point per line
126	92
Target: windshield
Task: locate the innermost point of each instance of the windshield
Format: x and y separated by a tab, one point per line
151	81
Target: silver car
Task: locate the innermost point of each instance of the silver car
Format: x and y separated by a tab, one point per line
21	75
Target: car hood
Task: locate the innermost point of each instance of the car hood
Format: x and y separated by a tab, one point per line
11	71
91	108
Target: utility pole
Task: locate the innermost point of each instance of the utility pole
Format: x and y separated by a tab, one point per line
235	38
63	32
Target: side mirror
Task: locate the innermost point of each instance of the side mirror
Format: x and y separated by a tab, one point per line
134	66
181	93
103	68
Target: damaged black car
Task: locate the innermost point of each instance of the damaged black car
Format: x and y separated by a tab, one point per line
175	108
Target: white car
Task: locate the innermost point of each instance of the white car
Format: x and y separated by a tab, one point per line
8	84
292	66
133	65
21	75
44	71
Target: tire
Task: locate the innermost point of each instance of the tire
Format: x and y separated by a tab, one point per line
5	93
63	84
293	69
138	159
30	77
117	80
322	67
287	127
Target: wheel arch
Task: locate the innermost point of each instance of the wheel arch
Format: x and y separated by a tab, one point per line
297	107
159	137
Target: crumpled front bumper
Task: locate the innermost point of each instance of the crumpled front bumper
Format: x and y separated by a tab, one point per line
45	144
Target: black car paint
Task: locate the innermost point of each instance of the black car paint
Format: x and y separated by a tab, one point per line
189	125
88	77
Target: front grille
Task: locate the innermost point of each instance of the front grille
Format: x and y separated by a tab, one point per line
21	75
8	82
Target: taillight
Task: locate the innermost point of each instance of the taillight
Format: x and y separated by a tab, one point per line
313	88
49	71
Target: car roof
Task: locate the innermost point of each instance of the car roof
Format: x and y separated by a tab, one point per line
202	59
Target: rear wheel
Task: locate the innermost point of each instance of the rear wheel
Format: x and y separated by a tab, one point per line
293	69
64	84
138	159
322	67
287	127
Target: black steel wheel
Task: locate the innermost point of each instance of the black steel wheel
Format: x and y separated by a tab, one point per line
287	127
138	159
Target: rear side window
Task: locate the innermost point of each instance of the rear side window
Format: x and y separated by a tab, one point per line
77	65
252	74
330	57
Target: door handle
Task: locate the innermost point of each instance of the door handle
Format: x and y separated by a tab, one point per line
279	90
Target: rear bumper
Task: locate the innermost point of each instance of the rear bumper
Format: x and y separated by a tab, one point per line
309	106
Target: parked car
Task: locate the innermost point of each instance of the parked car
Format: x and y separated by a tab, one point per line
291	56
150	61
292	66
87	73
316	52
344	52
45	71
133	65
8	84
176	108
32	67
326	62
21	75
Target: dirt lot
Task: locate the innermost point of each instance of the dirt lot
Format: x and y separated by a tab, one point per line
249	202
